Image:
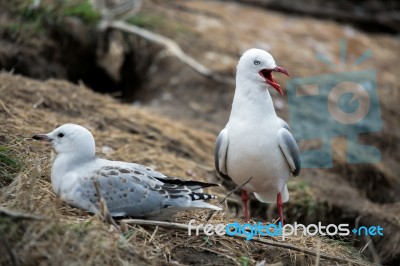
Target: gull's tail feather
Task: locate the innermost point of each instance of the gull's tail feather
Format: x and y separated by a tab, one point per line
204	205
181	204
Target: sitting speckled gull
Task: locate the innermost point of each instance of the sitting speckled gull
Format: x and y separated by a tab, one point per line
129	189
256	142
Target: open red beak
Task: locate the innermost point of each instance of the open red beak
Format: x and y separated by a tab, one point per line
269	78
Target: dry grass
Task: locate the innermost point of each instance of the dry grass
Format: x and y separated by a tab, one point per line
66	235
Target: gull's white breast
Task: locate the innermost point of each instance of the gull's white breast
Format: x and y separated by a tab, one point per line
254	152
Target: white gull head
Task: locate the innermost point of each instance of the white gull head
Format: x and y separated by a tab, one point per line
256	65
72	139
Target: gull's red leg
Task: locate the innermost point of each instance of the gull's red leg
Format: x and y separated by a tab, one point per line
244	200
280	206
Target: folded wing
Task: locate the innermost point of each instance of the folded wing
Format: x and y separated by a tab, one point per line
220	153
289	148
143	192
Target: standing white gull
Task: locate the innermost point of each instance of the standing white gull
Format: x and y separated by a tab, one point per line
256	142
128	189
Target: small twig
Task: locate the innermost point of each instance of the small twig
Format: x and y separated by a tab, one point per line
357	222
372	250
236	189
103	210
317	259
153	234
38	103
255	239
369	244
156	223
6	109
365	246
233	200
227	196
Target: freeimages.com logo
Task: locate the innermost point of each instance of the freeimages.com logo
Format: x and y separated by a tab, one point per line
327	106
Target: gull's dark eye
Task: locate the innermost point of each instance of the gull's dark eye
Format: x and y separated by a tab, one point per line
60	135
256	62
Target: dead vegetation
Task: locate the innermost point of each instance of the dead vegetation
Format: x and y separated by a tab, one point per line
65	235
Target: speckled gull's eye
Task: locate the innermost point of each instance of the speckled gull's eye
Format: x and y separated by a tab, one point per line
60	135
256	62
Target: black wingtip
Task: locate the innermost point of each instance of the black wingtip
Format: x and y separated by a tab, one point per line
188	183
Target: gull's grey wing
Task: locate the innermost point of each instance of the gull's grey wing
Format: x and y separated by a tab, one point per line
220	153
290	150
131	192
144	169
283	123
127	192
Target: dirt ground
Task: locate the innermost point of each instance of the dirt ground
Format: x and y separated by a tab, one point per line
172	125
